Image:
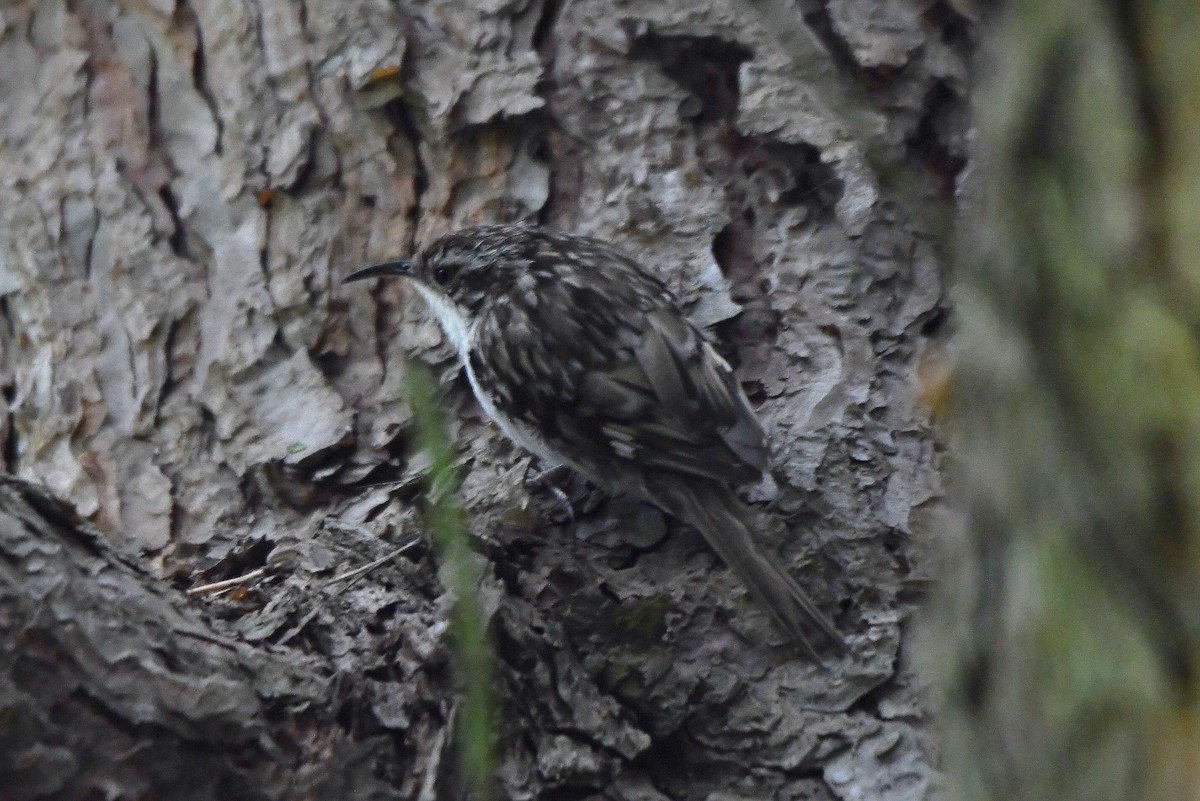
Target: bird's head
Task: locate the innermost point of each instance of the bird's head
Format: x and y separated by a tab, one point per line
465	267
459	273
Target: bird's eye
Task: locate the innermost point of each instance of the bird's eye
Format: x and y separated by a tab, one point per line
440	274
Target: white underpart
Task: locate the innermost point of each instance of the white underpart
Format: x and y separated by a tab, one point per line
450	317
461	333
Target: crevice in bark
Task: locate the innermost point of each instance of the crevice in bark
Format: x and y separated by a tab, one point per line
307	167
153	120
12	446
818	20
543	40
169	378
89	65
403	120
178	237
935	322
190	20
91	248
928	146
955	28
264	264
255	12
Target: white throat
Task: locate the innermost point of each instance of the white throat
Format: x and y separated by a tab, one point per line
460	331
452	319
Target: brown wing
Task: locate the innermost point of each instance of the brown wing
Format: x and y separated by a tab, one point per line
632	380
673	403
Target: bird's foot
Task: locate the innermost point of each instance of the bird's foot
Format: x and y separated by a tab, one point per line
547	479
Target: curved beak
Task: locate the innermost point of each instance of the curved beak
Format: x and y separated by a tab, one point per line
390	268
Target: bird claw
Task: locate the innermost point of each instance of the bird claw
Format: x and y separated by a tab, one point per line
546	479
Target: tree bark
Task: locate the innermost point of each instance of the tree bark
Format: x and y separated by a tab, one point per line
112	680
182	188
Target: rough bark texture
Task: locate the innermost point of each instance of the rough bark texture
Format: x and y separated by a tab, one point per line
182	187
1075	649
113	681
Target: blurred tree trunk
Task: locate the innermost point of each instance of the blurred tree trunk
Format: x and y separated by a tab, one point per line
182	187
1078	402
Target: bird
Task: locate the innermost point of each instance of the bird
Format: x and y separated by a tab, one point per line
585	359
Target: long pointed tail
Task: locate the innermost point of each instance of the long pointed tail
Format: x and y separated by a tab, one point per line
717	513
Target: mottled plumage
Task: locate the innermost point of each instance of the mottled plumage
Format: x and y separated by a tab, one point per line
585	359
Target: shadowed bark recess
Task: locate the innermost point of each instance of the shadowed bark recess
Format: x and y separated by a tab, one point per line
182	188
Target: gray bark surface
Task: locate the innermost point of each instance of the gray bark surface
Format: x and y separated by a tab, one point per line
183	187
